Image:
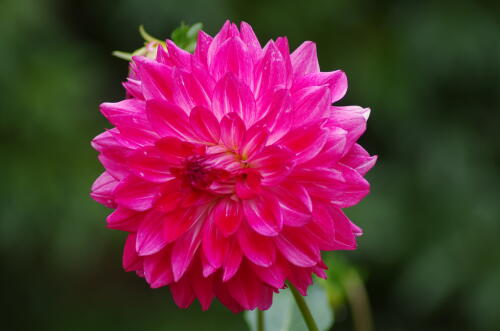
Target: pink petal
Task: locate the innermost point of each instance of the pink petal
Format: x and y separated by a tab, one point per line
274	164
226	32
151	164
157	269
124	219
228	216
168	119
264	215
177	57
184	249
342	186
296	248
258	249
156	78
202	44
231	95
232	261
306	141
250	39
150	235
199	85
136	194
275	113
352	119
274	275
344	232
178	222
248	291
214	244
336	81
295	202
182	293
270	71
131	261
300	278
304	59
332	151
103	188
311	104
204	124
254	141
113	154
359	159
203	288
233	57
232	131
248	186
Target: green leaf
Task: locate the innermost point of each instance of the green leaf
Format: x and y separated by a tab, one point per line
185	36
285	316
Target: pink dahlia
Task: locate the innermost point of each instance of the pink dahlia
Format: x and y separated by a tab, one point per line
229	168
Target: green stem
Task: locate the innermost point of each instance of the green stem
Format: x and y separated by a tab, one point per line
260	320
304	309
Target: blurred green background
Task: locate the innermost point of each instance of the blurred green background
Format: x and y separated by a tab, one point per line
430	71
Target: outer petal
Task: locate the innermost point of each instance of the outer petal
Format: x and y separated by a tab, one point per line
352	119
184	250
274	164
136	194
131	261
204	125
168	119
150	235
228	216
103	188
270	71
263	214
258	249
359	159
306	141
250	39
124	219
304	59
233	57
231	95
336	81
311	104
157	269
296	248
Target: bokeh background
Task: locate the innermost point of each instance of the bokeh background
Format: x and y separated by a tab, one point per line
430	71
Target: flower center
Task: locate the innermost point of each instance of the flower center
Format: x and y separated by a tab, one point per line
197	173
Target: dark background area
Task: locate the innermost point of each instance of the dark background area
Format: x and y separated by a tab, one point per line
430	71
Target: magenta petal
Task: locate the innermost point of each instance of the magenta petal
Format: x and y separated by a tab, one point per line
248	291
202	45
168	119
270	71
232	131
264	215
228	216
300	278
151	164
344	232
311	104
306	141
204	124
304	59
258	249
231	95
203	288
136	194
254	141
131	261
177	56
352	119
156	78
295	202
335	80
124	219
182	293
274	164
232	262
183	251
274	275
295	247
250	39
359	159
103	188
157	269
150	235
233	57
214	243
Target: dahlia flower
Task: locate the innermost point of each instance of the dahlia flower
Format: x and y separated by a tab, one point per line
229	168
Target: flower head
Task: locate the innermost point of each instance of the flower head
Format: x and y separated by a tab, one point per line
229	168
